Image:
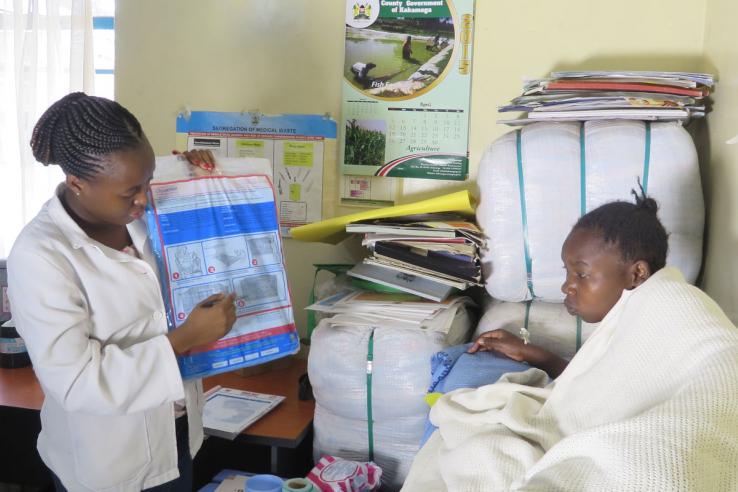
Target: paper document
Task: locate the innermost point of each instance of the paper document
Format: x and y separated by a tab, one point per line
229	411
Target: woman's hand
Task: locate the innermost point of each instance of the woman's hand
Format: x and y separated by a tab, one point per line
204	159
505	343
209	321
502	342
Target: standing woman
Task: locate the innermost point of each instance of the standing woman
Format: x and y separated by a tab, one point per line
407	49
86	299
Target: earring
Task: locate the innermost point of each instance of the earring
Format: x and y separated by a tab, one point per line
76	193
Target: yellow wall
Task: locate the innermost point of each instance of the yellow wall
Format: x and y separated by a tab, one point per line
720	161
287	56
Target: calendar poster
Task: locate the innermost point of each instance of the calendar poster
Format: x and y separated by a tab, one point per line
406	88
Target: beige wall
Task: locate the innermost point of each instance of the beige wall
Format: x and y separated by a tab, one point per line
287	56
720	160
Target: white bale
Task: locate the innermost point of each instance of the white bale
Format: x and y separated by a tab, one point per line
552	183
550	325
337	366
401	374
396	442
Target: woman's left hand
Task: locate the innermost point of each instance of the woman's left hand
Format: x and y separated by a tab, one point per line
204	159
502	342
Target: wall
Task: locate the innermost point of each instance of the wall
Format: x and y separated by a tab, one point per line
721	174
287	55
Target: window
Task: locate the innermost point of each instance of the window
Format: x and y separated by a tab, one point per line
103	44
45	47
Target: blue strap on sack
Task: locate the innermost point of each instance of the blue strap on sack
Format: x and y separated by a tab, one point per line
524	214
582	203
646	157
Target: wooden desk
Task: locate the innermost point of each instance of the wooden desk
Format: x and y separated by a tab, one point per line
287	425
20	401
19	388
284	427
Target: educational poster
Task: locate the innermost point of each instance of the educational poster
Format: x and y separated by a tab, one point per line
294	144
406	88
220	234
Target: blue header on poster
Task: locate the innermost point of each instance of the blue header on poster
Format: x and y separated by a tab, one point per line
284	124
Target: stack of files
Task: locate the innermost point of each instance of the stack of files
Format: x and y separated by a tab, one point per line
639	95
358	307
428	256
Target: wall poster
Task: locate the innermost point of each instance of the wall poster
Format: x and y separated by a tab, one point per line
406	88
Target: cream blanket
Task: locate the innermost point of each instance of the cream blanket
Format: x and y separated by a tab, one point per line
650	402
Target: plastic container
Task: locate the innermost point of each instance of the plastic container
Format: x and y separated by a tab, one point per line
298	485
4	304
264	483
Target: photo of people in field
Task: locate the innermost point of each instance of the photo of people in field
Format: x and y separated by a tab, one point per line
395	58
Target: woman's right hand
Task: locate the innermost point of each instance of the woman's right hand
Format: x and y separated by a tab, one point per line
211	319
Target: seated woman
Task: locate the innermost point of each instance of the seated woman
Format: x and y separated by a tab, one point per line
648	403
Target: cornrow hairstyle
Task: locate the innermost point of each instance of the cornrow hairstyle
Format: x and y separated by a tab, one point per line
634	228
78	131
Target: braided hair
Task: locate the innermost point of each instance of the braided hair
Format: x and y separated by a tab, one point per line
634	228
78	131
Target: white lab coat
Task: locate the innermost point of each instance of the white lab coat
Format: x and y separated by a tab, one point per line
94	323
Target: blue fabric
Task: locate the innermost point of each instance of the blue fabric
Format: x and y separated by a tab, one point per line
453	368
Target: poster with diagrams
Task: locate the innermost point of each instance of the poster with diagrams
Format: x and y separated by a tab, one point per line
295	145
220	235
406	91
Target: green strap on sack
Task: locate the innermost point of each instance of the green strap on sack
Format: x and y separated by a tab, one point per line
369	416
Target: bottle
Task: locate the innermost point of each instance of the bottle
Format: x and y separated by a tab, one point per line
13	351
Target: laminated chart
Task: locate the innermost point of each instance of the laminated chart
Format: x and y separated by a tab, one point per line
215	234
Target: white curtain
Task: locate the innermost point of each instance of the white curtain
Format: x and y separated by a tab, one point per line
45	53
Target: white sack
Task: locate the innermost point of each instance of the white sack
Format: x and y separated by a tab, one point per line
614	156
400	369
396	442
337	367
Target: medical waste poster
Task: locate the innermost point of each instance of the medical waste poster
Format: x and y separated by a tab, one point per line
220	234
297	145
406	88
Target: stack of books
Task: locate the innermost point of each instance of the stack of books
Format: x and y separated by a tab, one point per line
357	307
638	95
429	255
